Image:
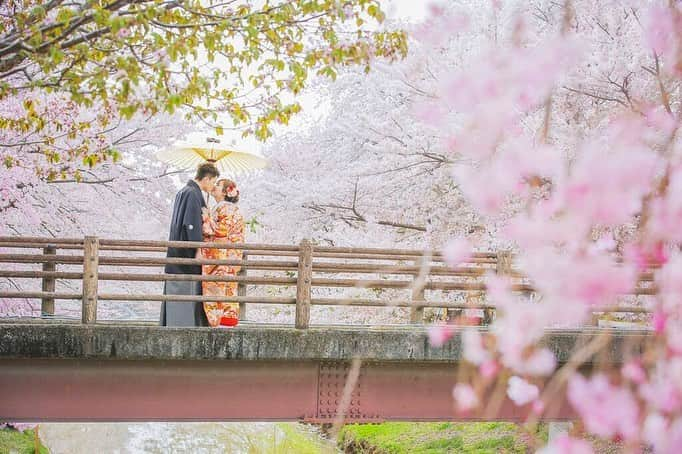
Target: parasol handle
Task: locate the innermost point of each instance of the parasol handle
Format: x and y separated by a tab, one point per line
212	140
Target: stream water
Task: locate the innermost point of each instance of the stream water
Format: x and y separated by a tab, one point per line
194	438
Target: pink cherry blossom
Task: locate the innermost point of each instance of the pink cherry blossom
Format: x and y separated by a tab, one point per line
440	334
465	397
645	256
565	444
666	211
456	252
673	336
534	231
590	280
607	410
474	351
498	290
633	371
521	392
488	198
123	33
606	188
665	437
669	280
604	244
489	369
540	363
441	25
662	395
538	407
660	29
522	325
657	117
659	321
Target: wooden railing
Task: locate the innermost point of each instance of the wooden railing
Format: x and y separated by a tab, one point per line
306	267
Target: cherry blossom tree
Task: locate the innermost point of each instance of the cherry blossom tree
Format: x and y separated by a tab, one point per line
210	60
566	126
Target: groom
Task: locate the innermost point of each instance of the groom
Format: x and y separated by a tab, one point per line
186	225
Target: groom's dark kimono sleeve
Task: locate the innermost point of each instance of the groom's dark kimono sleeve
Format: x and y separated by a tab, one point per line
186	226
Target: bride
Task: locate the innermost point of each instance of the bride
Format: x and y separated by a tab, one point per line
223	224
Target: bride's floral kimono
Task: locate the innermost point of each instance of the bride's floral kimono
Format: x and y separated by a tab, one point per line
224	224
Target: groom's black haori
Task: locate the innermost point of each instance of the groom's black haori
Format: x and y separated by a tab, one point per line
186	225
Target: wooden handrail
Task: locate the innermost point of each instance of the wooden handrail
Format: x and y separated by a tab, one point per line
308	267
263	247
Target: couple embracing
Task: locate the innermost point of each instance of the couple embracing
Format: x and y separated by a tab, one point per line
193	221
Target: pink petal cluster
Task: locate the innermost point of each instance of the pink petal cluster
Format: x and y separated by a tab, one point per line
474	351
633	371
607	410
567	445
519	327
440	334
521	392
579	279
607	188
669	280
465	397
663	435
660	29
441	25
456	252
666	211
663	391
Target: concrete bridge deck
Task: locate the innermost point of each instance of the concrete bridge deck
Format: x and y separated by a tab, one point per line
103	372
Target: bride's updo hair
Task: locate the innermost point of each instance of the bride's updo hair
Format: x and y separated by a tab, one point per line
230	190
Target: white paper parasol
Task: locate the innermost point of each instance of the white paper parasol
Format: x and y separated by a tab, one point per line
195	151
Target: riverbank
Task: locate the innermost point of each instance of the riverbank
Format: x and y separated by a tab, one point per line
20	442
432	438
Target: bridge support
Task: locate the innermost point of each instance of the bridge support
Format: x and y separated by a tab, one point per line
75	372
209	390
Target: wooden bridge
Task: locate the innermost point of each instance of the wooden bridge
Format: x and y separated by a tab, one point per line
55	369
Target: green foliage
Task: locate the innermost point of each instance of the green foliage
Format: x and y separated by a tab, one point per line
296	441
204	58
432	438
13	441
253	224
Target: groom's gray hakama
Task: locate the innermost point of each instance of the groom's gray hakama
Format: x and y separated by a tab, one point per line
186	225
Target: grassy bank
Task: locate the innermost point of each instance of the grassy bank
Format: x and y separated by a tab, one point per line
300	440
13	441
432	438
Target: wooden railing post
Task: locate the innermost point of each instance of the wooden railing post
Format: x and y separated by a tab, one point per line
503	267
304	284
47	304
241	290
90	266
417	313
